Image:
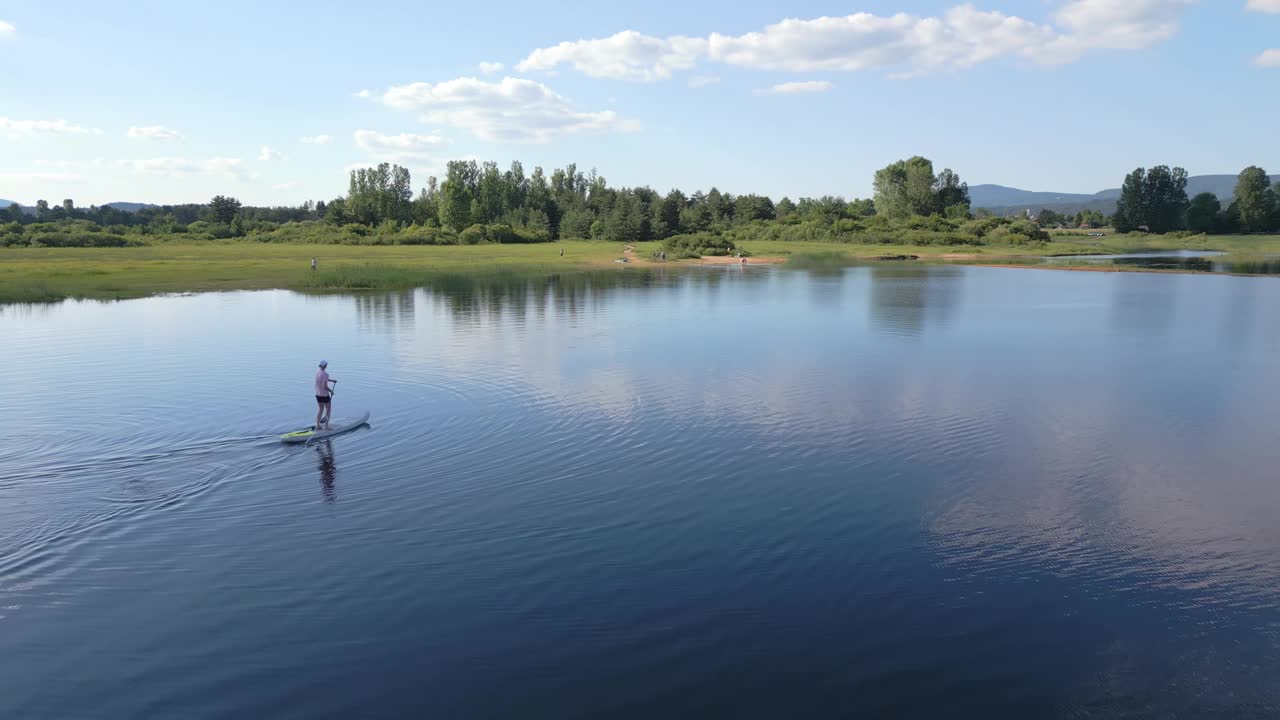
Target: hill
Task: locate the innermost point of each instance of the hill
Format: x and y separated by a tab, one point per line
130	206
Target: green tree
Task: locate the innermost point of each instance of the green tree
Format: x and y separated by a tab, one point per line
696	217
784	209
1131	209
667	214
1203	213
949	192
489	195
456	194
1166	199
223	209
625	221
753	207
863	207
42	210
335	213
576	223
909	187
1253	201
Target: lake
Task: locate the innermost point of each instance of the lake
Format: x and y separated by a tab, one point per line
888	491
1204	261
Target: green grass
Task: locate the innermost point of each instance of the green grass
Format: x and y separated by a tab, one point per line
1244	245
50	274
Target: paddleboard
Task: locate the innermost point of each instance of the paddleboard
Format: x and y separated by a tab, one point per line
310	433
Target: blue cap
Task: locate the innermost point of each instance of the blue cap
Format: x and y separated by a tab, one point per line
324	363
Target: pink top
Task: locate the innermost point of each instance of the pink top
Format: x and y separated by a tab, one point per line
322	383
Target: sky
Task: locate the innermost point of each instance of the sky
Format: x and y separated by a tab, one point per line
273	103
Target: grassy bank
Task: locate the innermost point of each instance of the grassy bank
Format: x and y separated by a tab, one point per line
45	274
48	274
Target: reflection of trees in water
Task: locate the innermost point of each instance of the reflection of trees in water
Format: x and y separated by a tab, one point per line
328	469
826	286
386	311
1239	311
904	300
1250	267
1144	303
519	297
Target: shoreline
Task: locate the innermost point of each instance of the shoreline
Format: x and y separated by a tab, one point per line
34	275
1115	269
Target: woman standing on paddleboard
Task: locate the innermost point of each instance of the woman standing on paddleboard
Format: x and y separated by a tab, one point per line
324	396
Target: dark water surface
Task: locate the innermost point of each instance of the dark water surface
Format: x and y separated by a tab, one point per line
1206	261
876	492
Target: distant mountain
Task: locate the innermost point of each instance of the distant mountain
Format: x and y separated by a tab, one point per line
988	196
122	206
130	206
1003	200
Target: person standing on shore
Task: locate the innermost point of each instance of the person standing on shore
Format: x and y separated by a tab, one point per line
313	264
324	396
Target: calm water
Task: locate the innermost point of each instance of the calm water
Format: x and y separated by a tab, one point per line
1184	260
894	491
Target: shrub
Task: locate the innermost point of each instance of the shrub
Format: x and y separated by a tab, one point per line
698	244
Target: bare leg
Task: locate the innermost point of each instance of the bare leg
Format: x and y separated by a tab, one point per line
328	412
319	413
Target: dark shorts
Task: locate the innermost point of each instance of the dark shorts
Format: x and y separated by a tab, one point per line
322	399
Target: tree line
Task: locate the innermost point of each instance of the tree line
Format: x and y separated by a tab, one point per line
1156	201
568	203
479	202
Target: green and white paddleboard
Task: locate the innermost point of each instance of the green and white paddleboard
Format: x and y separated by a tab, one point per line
310	433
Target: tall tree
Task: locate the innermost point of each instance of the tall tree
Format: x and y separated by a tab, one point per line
1166	198
456	194
1253	201
1203	213
951	192
785	208
906	188
1131	206
223	209
667	214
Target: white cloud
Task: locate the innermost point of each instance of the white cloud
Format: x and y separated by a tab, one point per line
513	110
628	55
1114	25
489	68
7	28
698	81
963	37
154	132
1269	58
284	186
316	139
1266	6
178	167
791	88
363	94
395	148
266	154
959	38
18	128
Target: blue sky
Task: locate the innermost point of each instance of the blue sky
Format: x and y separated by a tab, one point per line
175	102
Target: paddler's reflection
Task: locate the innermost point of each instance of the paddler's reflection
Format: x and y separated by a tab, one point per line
328	469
